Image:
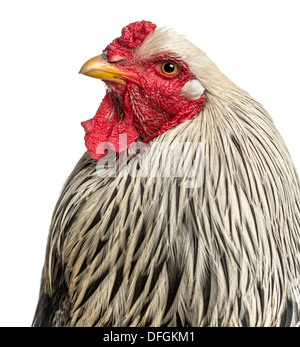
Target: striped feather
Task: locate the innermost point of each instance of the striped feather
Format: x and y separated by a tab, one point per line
148	251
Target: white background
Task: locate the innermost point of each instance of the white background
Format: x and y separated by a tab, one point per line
43	100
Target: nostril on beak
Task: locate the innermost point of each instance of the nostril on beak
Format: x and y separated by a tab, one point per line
117	59
103	56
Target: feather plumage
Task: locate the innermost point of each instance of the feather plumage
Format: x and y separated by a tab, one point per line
140	251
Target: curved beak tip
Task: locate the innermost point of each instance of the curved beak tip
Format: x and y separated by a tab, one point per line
82	71
98	67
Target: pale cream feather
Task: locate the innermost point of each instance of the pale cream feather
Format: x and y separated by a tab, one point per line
224	254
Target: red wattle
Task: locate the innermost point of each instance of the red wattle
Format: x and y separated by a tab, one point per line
146	113
105	129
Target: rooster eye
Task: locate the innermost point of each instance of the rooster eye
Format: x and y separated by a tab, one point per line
169	68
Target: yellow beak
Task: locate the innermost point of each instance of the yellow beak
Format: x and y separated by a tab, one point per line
99	68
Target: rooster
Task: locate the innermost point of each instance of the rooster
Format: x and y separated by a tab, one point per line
133	248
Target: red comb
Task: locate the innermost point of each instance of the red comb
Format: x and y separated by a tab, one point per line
132	36
135	33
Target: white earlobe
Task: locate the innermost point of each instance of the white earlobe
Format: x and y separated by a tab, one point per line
193	89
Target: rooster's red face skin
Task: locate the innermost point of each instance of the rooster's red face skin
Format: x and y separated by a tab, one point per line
147	103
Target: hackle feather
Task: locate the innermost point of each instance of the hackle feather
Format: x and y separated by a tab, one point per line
149	251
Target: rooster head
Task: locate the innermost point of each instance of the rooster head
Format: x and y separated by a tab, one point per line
150	89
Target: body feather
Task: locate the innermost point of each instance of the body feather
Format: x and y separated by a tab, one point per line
151	250
136	251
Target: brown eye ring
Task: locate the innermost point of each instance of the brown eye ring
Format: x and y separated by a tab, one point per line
169	68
